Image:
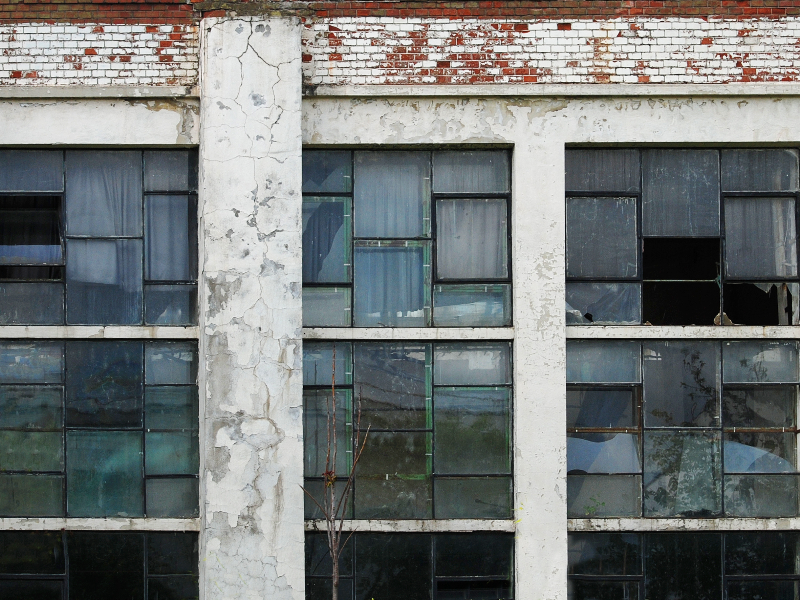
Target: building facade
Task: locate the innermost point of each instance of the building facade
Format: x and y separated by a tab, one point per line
545	252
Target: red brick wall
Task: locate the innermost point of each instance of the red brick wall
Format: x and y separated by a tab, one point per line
98	11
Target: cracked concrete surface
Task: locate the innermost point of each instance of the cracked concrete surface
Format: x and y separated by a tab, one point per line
252	327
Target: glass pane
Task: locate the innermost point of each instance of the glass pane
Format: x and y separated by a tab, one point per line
185	587
682	473
762	553
318	562
104	473
31	450
598	496
172	407
326	240
392	285
171	453
680	195
316	488
392	385
681	383
769	170
393	567
683	566
602	170
104	282
321	359
760	495
172	554
169	237
320	589
603	362
472	497
761	303
30	407
317	408
474	554
604	553
472	171
30	230
760	238
602	590
31	552
393	478
31	495
472	431
104	384
603	453
326	307
170	170
31	362
602	239
170	304
471	305
587	407
104	193
392	194
31	171
172	362
756	362
31	589
31	303
472	364
762	590
472	239
172	497
760	406
604	303
106	565
327	171
759	452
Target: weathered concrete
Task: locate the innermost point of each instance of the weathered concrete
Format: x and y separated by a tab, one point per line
252	457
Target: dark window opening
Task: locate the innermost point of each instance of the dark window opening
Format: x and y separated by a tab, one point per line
760	303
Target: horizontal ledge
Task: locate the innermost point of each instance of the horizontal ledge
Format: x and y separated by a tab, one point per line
95	91
419	525
723	524
408	333
111	524
557	90
600	332
147	332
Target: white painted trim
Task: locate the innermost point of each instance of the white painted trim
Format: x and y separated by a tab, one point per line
111	524
149	332
678	524
96	91
419	525
408	333
648	332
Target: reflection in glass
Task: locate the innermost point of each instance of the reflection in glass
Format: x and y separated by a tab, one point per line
602	407
170	362
604	554
604	303
472	364
317	409
170	304
756	362
603	362
31	362
759	406
603	453
762	452
761	495
472	497
598	496
320	359
327	171
472	305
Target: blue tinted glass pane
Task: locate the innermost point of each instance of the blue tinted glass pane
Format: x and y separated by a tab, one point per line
472	305
171	407
319	360
31	171
170	304
327	171
167	363
171	453
326	307
603	453
603	362
31	303
326	240
472	364
604	303
170	170
31	362
30	407
169	239
759	362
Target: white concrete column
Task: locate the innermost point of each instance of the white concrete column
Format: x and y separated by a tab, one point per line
251	314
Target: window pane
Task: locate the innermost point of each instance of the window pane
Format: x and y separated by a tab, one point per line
680	195
474	554
317	408
759	170
751	362
170	363
682	474
587	407
392	285
604	554
104	384
104	473
760	238
681	383
604	303
327	171
326	307
320	589
683	566
31	495
170	304
316	488
103	565
472	364
393	478
472	171
104	282
761	495
172	554
603	362
171	407
170	170
473	497
762	303
472	239
759	452
177	586
104	193
392	383
31	362
602	170
602	239
472	430
172	497
31	171
31	552
602	590
30	230
326	240
392	194
598	496
171	453
759	406
762	553
31	450
31	303
321	358
762	590
31	589
30	407
603	453
471	305
318	561
393	567
170	239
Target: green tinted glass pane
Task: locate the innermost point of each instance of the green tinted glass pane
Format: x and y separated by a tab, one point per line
317	409
761	495
472	498
31	495
594	496
32	362
313	498
30	407
31	553
174	362
171	453
173	407
104	473
31	451
172	497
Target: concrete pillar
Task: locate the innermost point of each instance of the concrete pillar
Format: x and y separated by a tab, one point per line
251	313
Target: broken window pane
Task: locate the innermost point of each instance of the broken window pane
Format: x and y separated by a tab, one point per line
170	363
682	474
170	304
320	359
603	407
682	303
392	194
170	239
326	240
31	171
30	230
326	307
31	362
393	567
770	170
598	496
472	497
760	238
602	238
683	566
170	170
680	194
751	362
603	453
470	305
104	193
327	171
472	171
680	259
472	364
317	408
759	452
104	282
31	450
392	284
472	239
603	362
172	497
604	554
604	303
681	383
759	406
171	452
31	495
602	170
31	303
760	303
